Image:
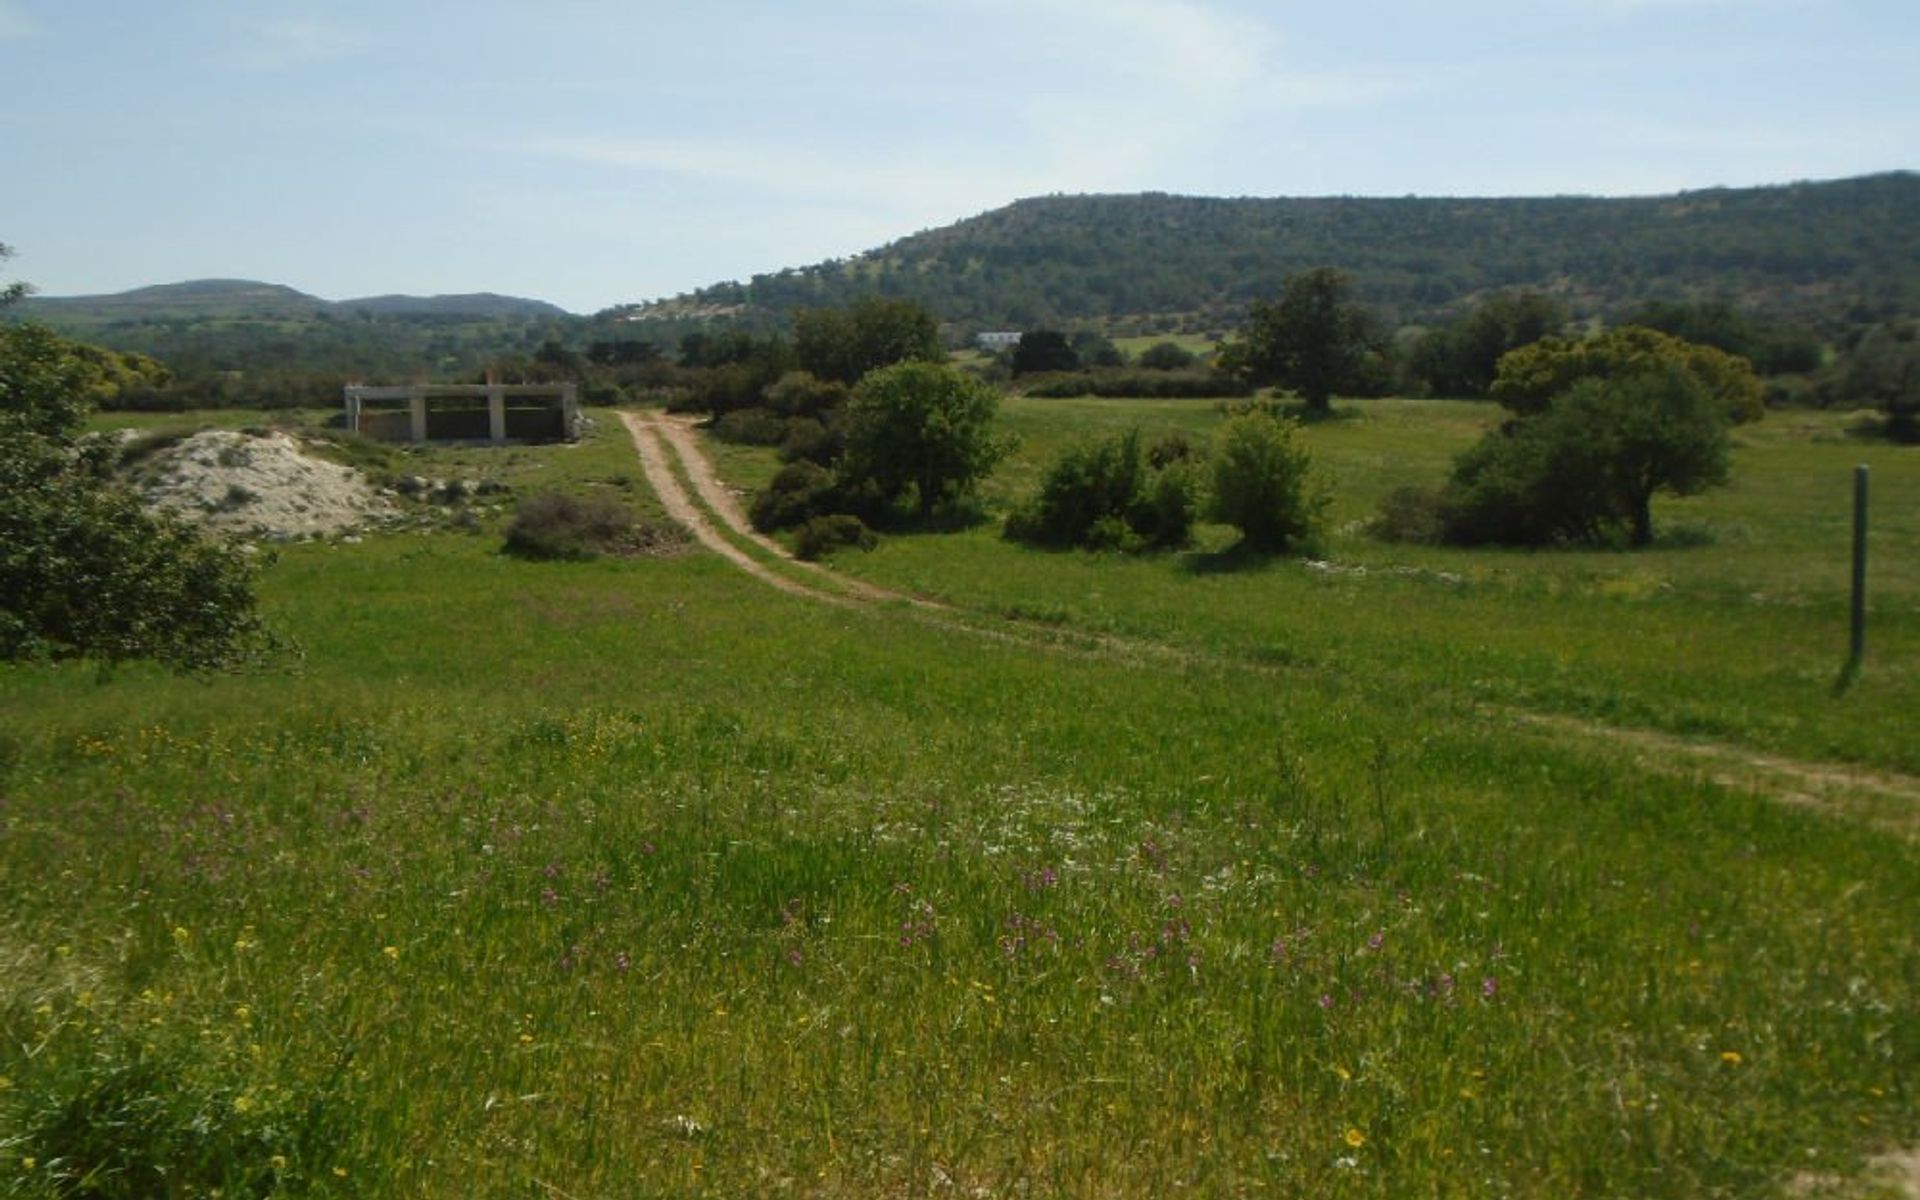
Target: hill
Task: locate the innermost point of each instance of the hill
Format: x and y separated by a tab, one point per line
1845	250
224	326
248	299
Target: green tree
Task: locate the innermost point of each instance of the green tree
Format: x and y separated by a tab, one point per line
1530	377
1044	350
1107	495
1884	371
1586	466
85	569
920	425
1315	341
1460	358
1167	356
845	344
1263	483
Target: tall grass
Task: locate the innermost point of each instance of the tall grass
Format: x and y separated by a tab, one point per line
634	877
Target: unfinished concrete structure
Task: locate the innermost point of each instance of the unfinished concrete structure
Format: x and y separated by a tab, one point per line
465	412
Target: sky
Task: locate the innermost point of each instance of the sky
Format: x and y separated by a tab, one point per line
594	153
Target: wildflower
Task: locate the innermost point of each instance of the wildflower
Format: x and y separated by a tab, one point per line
180	935
278	1162
1354	1138
339	1172
621	962
1377	940
1489	987
1326	1001
1730	1057
29	1163
243	1104
392	953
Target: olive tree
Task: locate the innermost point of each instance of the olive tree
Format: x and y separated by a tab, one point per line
920	425
85	569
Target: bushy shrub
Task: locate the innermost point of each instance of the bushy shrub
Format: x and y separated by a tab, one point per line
801	394
1586	467
85	569
810	440
1104	496
1263	483
1412	514
797	494
554	525
1167	356
1138	385
1169	449
823	535
751	427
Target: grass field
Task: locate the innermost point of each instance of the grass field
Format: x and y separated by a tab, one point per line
636	877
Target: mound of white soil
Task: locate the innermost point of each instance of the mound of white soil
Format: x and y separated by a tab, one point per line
262	486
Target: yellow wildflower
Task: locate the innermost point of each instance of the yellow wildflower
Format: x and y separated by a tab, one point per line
1354	1138
392	953
1730	1057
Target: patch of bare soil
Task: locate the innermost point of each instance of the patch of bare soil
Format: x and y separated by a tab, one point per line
259	486
1891	1176
1884	798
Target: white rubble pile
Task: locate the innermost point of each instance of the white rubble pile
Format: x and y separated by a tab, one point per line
259	486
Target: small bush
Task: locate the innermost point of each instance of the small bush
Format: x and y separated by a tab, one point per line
809	440
1167	356
823	535
751	427
1138	385
1170	449
551	525
1413	514
799	394
800	492
1104	497
1263	484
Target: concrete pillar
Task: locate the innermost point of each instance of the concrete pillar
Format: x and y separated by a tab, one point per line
569	412
417	409
496	413
353	411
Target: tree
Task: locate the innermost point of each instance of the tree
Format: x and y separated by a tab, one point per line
1884	371
1530	377
1043	350
1460	358
1586	467
1167	356
1096	349
85	569
1315	341
845	344
1263	483
922	425
1107	495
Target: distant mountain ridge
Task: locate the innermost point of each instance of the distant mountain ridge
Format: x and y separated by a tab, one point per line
250	299
1827	251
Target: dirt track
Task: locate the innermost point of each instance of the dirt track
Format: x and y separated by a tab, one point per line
1887	799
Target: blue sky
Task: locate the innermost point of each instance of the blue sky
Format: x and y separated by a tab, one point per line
594	153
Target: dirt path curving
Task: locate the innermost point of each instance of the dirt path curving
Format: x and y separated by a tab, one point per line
677	433
1886	799
646	431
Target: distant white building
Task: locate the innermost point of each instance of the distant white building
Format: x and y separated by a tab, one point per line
997	340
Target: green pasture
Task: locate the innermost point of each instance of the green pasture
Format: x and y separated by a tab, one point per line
1734	626
638	878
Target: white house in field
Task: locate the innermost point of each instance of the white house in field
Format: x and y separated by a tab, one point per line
993	343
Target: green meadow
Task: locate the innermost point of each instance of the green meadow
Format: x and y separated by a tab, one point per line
639	878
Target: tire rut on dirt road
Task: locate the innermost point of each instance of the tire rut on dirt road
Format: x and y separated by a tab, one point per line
1814	785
